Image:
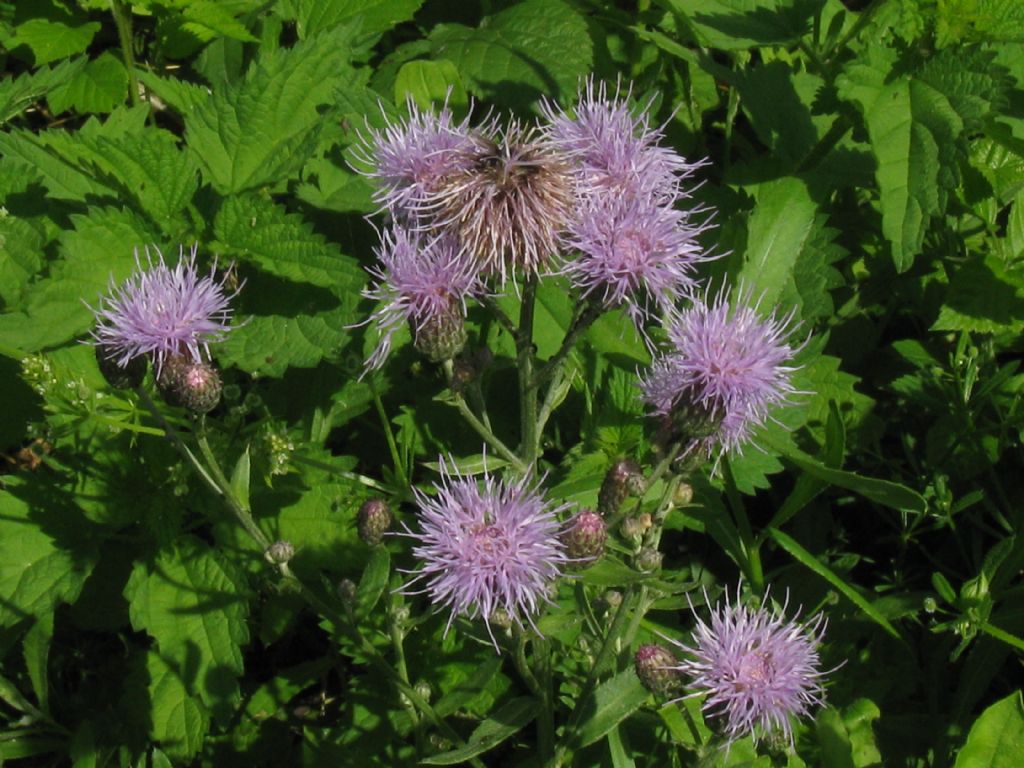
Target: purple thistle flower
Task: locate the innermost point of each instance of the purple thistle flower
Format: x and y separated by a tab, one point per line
412	159
633	252
616	149
756	669
162	312
725	372
510	207
421	282
487	546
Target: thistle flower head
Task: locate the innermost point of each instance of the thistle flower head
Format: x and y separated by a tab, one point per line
412	159
162	311
615	147
633	252
756	669
510	206
727	368
487	546
423	282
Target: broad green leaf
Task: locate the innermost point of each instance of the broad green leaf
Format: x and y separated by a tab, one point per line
506	721
996	739
269	345
368	16
808	560
63	179
208	19
179	721
192	603
260	131
21	256
374	579
429	82
240	478
610	703
337	188
182	96
52	40
985	297
778	99
913	131
99	87
36	572
19	93
533	48
741	24
320	524
254	229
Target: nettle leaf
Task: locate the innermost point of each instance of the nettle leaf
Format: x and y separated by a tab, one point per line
38	570
428	82
99	249
741	24
369	16
255	229
21	256
192	602
19	93
320	524
974	84
178	721
772	96
52	40
533	48
983	296
913	131
269	345
99	87
182	96
262	129
151	168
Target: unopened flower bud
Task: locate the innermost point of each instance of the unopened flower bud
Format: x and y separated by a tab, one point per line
655	666
500	618
584	538
624	478
347	592
128	377
194	386
423	690
930	606
400	614
683	495
280	552
633	528
613	598
442	335
373	520
648	560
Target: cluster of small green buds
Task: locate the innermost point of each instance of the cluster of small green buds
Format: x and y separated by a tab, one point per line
683	495
442	336
191	385
279	452
280	552
373	520
347	592
128	377
648	560
624	478
585	538
655	666
633	528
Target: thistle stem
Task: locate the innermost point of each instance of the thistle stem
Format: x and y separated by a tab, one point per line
754	569
527	387
123	22
396	460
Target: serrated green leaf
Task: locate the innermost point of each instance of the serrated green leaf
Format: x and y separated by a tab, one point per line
63	179
913	131
996	739
18	93
254	229
369	16
99	87
52	40
773	97
984	296
506	721
610	703
320	524
184	97
36	573
209	19
535	47
270	344
21	256
740	24
179	721
374	580
261	130
192	603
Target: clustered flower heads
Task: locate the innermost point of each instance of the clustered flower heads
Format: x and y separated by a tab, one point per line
756	670
726	368
160	312
487	546
590	193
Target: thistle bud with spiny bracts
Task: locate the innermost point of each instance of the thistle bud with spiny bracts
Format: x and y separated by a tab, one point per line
195	386
442	335
280	552
585	537
624	478
655	666
373	520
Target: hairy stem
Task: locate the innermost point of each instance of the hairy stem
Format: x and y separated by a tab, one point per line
527	387
123	22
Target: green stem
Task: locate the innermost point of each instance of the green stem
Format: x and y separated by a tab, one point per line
503	319
481	429
123	22
174	437
396	460
755	572
527	388
369	482
584	318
